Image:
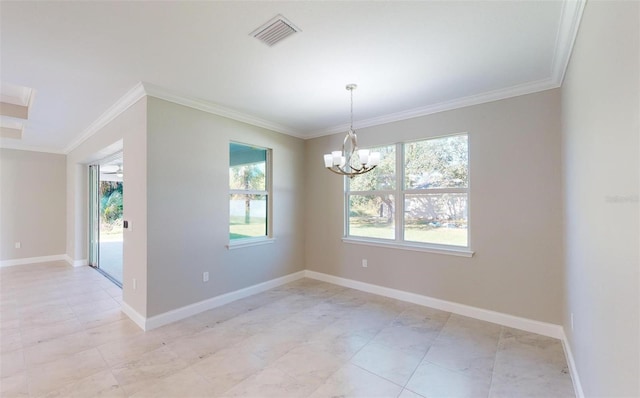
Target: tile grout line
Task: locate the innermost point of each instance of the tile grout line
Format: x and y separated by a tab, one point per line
348	360
425	355
495	360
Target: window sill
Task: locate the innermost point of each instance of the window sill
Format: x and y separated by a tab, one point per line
462	252
249	242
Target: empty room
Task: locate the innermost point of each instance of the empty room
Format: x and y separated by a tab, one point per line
320	199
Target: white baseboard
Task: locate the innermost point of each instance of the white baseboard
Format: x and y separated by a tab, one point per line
543	328
133	315
577	386
80	263
32	260
76	263
196	308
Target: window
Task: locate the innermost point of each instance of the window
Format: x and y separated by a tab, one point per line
418	196
249	192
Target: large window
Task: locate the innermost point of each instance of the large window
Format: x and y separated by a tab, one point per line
418	196
249	192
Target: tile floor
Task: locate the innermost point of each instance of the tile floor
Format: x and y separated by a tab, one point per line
63	335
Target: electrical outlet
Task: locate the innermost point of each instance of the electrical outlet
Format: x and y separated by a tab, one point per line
135	284
205	277
18	245
365	264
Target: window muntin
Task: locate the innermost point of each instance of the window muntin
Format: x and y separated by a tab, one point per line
248	191
429	207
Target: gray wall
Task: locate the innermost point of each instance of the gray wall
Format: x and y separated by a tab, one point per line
188	207
515	212
601	127
32	204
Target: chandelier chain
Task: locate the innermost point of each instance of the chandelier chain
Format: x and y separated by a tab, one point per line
351	125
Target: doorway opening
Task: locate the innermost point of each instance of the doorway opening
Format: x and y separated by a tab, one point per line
106	217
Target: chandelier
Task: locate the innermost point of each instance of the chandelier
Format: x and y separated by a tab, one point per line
352	161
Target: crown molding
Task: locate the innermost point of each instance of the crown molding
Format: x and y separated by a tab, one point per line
496	95
143	89
566	37
121	105
162	93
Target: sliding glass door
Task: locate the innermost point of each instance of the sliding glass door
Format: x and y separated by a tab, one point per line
105	218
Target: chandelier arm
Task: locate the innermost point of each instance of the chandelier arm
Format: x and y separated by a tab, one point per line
343	171
331	169
340	171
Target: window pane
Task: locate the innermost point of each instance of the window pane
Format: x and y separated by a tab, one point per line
248	216
372	216
247	176
247	167
436	218
382	177
437	163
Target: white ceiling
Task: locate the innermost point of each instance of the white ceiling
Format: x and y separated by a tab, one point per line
408	58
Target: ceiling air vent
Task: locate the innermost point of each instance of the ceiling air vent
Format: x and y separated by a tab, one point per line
275	30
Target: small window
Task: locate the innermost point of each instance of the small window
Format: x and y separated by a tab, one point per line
418	195
249	192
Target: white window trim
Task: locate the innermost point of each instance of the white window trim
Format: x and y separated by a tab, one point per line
418	247
248	242
399	195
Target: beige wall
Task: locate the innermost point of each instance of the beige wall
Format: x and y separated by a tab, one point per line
515	212
188	207
126	133
601	128
32	204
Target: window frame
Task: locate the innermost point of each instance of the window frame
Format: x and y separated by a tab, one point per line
267	192
399	193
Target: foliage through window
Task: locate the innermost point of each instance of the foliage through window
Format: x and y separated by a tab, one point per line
249	191
417	195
